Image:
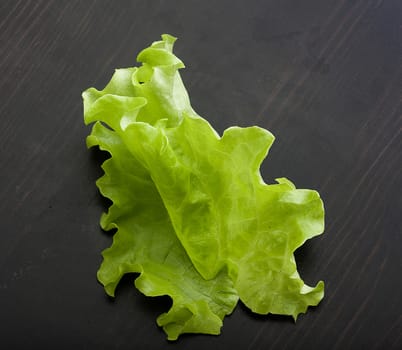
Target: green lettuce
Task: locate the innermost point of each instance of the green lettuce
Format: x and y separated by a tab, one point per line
192	213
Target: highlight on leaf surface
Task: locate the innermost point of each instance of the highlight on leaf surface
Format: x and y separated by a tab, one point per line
193	215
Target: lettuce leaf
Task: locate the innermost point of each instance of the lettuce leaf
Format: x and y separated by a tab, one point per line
192	212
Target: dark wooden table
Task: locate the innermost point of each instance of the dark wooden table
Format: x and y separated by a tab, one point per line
324	76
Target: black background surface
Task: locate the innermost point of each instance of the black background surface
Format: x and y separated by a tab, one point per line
325	77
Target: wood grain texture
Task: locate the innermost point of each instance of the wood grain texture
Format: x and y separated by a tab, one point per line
324	76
